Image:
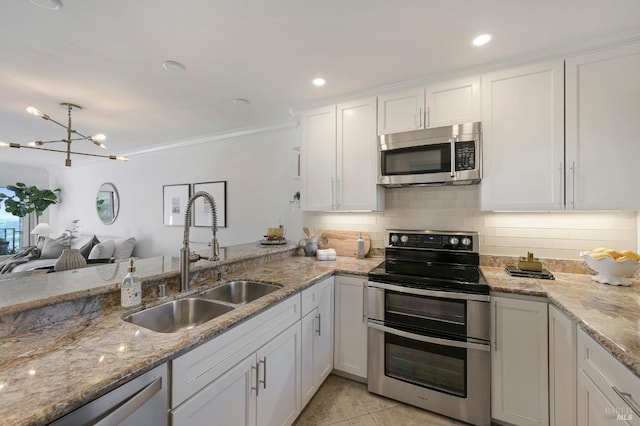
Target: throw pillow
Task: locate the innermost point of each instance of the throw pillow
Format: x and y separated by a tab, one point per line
86	248
124	248
103	250
52	248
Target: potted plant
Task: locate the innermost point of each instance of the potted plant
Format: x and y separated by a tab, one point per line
28	199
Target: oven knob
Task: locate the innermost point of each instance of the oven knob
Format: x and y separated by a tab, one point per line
404	239
454	241
466	241
394	238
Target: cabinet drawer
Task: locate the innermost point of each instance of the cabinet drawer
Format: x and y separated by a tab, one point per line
199	367
612	378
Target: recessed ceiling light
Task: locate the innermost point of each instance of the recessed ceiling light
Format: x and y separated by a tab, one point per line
241	101
319	82
174	66
482	39
48	4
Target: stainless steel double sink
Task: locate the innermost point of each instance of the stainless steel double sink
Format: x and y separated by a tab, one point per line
186	313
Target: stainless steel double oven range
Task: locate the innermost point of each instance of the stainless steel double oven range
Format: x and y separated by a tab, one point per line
429	325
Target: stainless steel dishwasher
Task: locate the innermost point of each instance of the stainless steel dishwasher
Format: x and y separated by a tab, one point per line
140	402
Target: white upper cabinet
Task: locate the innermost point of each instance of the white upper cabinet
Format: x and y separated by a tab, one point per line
603	124
440	104
523	138
318	158
339	157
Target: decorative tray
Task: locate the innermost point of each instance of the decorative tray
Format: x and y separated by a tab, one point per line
514	271
273	242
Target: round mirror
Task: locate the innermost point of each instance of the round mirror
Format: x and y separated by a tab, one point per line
107	203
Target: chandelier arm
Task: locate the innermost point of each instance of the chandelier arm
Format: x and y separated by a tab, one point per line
111	157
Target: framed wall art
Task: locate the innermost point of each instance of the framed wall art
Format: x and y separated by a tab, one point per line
174	201
201	209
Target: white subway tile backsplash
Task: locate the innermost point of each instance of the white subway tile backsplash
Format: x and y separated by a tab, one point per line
550	234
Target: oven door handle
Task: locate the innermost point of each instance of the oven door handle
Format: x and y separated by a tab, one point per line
432	293
426	339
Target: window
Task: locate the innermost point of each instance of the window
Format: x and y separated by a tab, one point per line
11	229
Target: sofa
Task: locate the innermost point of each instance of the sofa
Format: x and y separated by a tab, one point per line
46	253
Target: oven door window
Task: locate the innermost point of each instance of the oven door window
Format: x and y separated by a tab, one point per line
447	316
417	160
439	367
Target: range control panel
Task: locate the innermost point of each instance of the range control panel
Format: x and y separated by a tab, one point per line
434	240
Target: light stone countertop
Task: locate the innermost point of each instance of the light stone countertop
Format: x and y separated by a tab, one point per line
50	370
610	314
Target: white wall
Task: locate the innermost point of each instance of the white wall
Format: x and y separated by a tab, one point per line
259	170
549	235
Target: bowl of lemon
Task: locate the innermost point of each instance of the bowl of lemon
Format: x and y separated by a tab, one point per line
613	267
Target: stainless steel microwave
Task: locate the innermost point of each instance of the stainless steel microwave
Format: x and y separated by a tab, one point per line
450	155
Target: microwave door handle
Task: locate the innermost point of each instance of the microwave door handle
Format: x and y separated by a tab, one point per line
453	155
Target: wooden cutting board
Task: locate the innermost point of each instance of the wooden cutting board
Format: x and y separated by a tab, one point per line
345	243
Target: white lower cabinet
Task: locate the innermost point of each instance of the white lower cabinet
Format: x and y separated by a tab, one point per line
519	364
350	353
249	375
608	393
562	369
317	337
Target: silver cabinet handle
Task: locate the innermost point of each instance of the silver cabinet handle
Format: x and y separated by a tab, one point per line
573	181
495	326
319	329
263	361
338	195
333	202
427	339
628	399
364	302
561	193
427	117
453	155
132	404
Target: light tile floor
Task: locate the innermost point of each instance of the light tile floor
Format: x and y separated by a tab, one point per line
342	402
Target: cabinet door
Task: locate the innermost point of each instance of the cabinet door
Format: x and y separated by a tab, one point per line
278	401
401	111
562	369
595	409
453	102
357	151
523	138
350	353
308	384
229	400
318	158
603	106
324	335
519	365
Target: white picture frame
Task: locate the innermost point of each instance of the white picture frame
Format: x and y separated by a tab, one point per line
174	201
201	210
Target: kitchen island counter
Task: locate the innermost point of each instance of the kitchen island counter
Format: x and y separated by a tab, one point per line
52	369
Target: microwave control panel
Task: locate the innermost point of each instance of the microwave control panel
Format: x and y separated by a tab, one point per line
465	156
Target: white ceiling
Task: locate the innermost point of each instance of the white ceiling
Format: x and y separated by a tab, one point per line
107	56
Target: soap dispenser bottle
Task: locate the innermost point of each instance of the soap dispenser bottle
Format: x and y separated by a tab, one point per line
131	288
360	247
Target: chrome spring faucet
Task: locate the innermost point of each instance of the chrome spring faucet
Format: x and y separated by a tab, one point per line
186	257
